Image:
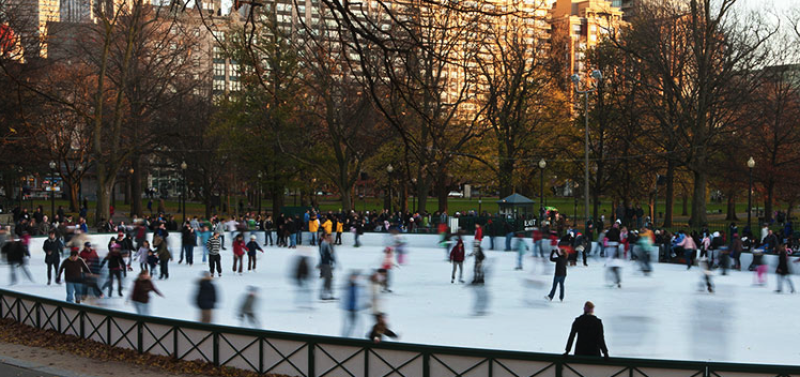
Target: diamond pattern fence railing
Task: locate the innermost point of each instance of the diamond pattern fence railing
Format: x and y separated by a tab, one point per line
301	355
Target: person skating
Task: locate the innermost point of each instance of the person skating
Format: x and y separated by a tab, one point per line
386	267
74	269
326	265
239	249
188	240
783	273
589	329
759	267
89	255
706	273
164	256
737	247
689	247
116	263
53	250
247	310
268	225
521	248
477	271
252	247
206	298
457	260
140	294
558	256
352	304
213	245
142	254
16	254
380	329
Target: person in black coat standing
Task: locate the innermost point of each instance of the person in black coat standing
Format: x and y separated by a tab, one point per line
589	329
206	297
560	257
53	249
783	271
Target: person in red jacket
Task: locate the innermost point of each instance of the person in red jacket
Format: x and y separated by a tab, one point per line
457	259
478	233
239	248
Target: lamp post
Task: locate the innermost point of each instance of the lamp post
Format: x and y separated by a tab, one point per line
542	165
52	191
576	79
389	170
80	186
414	181
751	163
183	199
260	176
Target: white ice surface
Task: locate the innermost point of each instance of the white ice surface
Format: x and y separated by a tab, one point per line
663	316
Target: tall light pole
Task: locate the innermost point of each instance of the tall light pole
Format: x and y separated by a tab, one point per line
52	191
260	176
183	199
751	163
389	170
542	165
576	80
80	187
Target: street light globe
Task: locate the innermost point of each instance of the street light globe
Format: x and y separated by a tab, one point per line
576	78
183	165
389	168
130	171
751	163
597	75
52	165
542	163
80	168
260	175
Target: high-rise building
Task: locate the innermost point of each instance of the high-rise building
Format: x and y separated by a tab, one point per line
77	11
31	21
579	25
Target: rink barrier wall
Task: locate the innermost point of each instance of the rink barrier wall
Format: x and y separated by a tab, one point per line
304	355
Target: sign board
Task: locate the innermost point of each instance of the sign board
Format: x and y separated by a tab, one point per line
468	191
52	189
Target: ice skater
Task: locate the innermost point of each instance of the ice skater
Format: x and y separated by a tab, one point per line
522	247
239	249
380	329
247	310
116	263
252	247
386	267
477	270
559	256
589	329
206	298
53	249
301	274
759	267
705	273
782	272
16	255
326	264
457	259
353	302
140	294
214	260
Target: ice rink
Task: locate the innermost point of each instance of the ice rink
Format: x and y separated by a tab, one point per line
663	316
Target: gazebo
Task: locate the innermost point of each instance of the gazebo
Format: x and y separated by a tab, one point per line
516	205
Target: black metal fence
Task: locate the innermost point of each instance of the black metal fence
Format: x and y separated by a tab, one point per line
319	356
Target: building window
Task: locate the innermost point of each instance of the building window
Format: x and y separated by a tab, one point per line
219	69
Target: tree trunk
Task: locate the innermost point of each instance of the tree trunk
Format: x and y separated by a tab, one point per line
669	195
104	189
731	210
423	185
128	183
596	192
505	178
685	205
72	191
441	190
699	217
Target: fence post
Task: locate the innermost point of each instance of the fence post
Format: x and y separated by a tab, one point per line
216	348
260	355
59	314
139	337
81	314
491	362
559	369
108	333
311	366
175	342
426	365
38	306
366	362
19	309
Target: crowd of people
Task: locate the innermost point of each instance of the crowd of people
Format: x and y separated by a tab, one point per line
144	241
